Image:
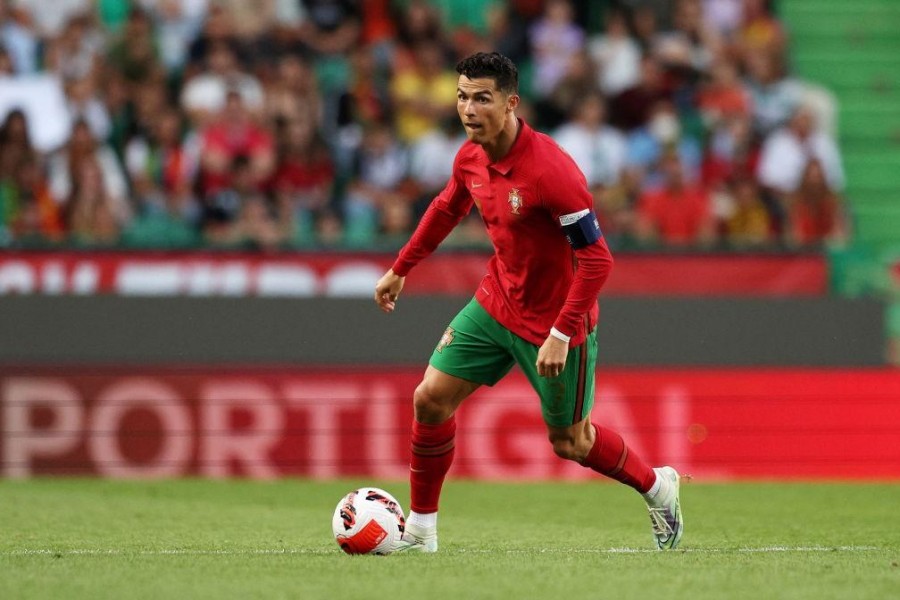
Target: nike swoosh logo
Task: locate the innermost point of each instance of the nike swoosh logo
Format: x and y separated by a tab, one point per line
476	185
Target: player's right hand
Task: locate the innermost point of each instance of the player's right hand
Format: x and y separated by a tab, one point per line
387	290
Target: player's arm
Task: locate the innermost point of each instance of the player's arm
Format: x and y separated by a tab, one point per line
443	214
571	205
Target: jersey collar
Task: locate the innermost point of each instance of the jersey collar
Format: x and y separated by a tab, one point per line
523	140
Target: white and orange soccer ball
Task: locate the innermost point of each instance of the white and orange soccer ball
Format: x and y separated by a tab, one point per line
368	521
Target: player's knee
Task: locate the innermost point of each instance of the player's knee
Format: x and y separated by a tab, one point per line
429	406
564	448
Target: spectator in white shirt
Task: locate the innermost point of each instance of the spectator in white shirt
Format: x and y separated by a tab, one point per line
204	95
617	56
787	151
598	149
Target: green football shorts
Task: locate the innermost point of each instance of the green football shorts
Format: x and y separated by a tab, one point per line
477	348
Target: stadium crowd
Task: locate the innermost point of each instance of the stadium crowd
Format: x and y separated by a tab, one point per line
332	123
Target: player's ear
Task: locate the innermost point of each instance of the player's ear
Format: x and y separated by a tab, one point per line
512	102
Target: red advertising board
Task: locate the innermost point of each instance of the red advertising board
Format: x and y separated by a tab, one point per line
312	274
714	424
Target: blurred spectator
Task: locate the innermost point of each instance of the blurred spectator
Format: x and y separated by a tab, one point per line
431	161
252	20
93	216
507	32
760	31
332	26
27	210
51	16
304	179
815	212
26	207
15	142
645	27
67	168
417	22
631	108
425	94
364	100
18	39
724	16
134	54
555	38
222	207
178	23
689	46
774	95
745	218
732	151
579	80
787	153
233	135
662	135
329	230
204	95
75	52
86	105
723	95
218	28
160	164
257	226
293	92
676	214
396	221
598	149
617	56
379	176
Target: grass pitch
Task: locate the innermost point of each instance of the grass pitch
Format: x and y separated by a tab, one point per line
71	538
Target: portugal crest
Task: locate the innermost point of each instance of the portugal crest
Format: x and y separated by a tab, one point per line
515	201
446	339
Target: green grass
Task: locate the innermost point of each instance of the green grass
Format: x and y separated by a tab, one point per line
78	538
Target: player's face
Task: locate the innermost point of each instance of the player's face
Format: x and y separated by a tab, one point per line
483	109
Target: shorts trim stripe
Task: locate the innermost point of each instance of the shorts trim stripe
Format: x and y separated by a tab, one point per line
582	377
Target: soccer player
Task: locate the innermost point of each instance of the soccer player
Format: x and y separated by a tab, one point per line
536	307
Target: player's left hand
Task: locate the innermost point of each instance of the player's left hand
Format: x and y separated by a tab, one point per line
551	359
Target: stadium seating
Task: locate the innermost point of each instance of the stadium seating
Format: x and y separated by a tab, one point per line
853	49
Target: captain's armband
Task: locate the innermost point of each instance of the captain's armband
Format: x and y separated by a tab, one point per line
581	228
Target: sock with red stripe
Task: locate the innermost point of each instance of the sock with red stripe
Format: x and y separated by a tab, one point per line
432	455
611	457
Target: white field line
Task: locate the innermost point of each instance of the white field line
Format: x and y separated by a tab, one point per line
336	551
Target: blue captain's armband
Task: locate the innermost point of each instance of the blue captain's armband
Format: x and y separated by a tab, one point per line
581	228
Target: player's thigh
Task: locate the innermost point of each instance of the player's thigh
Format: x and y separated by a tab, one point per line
474	347
568	398
439	395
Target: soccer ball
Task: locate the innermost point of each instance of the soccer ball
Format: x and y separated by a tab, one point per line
368	521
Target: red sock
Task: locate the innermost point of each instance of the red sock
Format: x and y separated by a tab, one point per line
432	455
611	457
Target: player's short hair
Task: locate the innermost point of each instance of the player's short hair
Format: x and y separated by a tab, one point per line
491	65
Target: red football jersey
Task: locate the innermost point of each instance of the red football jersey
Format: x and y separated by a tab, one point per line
535	279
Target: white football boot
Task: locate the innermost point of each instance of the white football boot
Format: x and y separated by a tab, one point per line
665	510
417	539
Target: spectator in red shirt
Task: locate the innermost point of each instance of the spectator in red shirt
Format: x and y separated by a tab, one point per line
678	213
815	213
304	178
234	134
